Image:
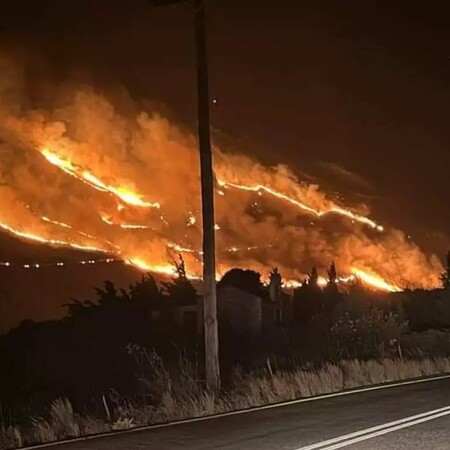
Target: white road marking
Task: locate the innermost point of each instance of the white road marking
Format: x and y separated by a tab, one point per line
379	430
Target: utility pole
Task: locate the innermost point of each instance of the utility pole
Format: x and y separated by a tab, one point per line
207	194
207	188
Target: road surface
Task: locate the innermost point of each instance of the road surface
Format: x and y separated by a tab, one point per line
412	416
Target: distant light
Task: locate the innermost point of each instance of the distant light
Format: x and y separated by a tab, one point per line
214	101
216	227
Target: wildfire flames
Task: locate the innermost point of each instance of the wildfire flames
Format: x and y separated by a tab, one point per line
126	195
88	173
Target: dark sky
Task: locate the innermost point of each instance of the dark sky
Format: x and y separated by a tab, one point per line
361	85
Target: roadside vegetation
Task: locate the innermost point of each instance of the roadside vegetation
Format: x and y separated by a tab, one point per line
108	365
180	395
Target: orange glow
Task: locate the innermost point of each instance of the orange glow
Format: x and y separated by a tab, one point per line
143	265
375	281
133	199
124	226
130	198
191	220
107	220
56	242
121	159
369	280
123	193
180	248
55	222
133	226
333	210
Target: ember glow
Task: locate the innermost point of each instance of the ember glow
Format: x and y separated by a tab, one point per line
134	193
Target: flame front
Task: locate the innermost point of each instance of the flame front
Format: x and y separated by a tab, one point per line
55	242
126	195
134	193
375	281
319	213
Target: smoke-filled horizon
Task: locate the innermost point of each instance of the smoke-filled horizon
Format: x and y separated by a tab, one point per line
87	168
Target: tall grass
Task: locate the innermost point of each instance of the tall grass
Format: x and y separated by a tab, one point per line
184	396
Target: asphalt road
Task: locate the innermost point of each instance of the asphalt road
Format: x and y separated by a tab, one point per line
402	417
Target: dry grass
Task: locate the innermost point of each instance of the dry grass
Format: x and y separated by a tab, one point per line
42	431
63	420
270	387
92	425
62	423
11	437
184	396
288	385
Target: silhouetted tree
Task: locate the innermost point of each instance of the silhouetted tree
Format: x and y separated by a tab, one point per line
308	299
78	308
275	285
180	290
445	277
332	276
331	292
246	280
315	292
276	294
146	292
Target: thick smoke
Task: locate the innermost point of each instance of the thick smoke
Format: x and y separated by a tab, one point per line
132	148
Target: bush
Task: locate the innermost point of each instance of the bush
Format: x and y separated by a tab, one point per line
371	335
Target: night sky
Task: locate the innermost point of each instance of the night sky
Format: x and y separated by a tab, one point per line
352	95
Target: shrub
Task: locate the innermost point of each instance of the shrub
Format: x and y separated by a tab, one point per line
370	335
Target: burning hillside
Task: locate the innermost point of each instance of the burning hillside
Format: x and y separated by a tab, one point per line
83	171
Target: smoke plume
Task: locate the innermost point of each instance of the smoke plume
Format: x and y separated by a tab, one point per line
84	169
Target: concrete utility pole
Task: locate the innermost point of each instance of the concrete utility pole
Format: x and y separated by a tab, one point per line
207	193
